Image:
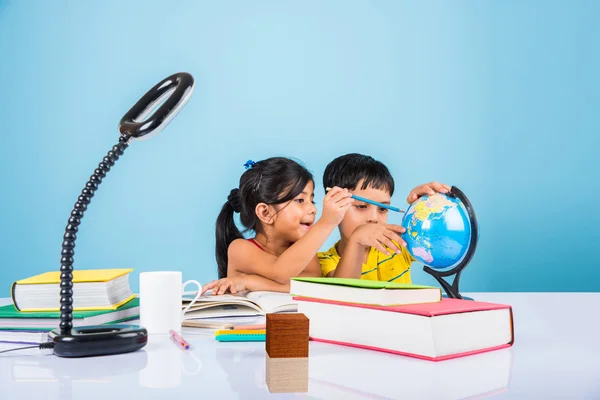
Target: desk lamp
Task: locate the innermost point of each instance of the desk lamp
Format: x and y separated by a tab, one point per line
98	340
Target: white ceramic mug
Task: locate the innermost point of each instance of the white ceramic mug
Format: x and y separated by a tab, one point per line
161	296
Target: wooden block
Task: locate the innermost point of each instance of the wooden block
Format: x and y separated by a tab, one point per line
287	335
286	375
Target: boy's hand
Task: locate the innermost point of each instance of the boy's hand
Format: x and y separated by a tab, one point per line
378	235
233	284
335	204
427	189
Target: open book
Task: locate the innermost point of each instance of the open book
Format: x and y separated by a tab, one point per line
245	304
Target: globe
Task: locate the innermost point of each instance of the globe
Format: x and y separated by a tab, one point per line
438	230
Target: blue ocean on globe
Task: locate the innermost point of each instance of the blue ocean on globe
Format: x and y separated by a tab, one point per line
438	230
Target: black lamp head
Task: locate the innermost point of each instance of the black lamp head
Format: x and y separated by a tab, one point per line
174	91
177	90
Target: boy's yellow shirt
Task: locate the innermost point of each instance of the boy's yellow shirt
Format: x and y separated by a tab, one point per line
379	266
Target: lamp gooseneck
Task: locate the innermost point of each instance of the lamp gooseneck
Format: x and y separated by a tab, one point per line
68	244
167	98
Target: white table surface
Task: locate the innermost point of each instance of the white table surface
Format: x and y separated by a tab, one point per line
556	355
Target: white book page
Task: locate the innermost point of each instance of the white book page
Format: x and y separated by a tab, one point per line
231	303
222	311
273	301
208	297
238	298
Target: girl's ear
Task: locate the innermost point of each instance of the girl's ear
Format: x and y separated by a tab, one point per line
265	213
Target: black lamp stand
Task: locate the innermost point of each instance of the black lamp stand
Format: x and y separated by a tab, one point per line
96	340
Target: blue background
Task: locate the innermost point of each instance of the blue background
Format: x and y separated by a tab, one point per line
499	98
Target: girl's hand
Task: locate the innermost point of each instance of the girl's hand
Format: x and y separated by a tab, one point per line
335	204
233	284
427	189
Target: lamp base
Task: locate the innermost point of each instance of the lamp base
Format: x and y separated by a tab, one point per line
98	340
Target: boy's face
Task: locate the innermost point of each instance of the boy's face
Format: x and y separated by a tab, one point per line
363	213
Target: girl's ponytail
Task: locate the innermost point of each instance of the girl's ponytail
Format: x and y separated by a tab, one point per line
227	231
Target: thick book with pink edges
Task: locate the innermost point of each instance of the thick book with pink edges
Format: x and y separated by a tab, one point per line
432	331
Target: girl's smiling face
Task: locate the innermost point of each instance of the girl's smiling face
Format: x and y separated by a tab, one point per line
294	219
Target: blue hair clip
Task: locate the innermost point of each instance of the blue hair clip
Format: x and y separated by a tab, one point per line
249	164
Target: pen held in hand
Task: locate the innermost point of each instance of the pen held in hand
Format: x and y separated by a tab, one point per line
375	203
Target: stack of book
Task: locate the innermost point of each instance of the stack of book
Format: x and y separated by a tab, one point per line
99	297
410	320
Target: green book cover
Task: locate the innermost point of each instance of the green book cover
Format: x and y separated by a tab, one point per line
362	283
9	311
49	328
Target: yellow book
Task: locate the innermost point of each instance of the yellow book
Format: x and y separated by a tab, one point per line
98	289
84	275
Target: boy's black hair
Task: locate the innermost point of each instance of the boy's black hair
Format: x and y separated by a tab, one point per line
348	170
275	180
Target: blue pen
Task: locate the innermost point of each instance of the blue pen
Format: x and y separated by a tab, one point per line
389	207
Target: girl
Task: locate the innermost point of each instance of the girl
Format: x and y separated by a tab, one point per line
275	201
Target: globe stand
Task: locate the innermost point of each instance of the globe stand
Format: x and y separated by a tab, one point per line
452	291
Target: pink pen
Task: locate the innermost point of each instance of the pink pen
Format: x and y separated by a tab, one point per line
180	340
250	327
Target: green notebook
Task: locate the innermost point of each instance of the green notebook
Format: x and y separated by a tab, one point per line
363	291
11	319
362	283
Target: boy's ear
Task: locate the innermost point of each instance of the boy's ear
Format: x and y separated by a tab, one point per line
265	213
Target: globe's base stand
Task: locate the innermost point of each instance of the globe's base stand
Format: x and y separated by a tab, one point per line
452	291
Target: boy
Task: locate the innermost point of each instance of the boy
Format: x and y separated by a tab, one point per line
362	251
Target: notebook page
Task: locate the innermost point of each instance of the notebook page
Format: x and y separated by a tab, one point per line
273	301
